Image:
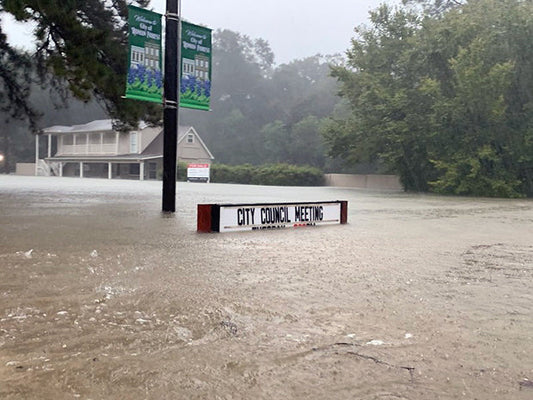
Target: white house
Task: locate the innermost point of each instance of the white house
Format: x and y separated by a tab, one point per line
95	149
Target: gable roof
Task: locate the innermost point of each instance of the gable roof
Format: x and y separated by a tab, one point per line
99	125
193	131
156	146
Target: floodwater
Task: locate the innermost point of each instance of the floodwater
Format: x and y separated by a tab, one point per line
417	297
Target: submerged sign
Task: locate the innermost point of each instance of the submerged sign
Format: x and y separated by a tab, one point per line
248	217
195	82
145	79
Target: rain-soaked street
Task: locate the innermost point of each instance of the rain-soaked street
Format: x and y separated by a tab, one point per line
417	297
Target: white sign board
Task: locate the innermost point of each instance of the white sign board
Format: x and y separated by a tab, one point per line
270	216
198	172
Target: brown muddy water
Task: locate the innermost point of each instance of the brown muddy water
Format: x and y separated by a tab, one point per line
418	297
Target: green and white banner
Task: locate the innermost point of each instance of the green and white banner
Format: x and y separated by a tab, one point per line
195	82
145	77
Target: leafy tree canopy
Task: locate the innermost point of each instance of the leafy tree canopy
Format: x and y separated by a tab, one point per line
434	7
15	73
262	113
82	43
443	97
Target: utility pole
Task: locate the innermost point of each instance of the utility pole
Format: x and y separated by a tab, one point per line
171	104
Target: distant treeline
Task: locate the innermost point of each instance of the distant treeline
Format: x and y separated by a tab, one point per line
262	112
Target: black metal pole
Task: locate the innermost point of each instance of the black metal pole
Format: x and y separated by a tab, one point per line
171	105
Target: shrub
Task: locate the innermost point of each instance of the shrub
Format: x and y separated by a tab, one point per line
182	171
270	174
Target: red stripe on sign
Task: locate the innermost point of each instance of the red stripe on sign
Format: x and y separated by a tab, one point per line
203	222
344	212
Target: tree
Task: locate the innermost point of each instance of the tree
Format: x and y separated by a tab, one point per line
240	105
434	7
15	79
307	143
443	99
17	140
276	142
82	43
380	82
256	106
303	87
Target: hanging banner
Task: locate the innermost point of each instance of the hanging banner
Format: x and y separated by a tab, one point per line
145	78
195	82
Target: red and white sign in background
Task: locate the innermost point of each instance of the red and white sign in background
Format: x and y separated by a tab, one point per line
198	172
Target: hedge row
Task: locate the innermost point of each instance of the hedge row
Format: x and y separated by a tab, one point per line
269	174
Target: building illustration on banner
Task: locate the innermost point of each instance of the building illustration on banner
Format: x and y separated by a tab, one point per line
202	67
149	56
198	67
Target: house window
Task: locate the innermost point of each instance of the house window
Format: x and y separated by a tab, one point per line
137	55
188	66
68	140
190	138
134	148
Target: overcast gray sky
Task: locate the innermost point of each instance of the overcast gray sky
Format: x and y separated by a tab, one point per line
294	28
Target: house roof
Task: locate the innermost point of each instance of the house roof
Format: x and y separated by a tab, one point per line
99	125
156	146
105	158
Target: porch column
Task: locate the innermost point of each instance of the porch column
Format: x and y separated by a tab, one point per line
61	168
81	169
49	145
141	171
36	155
109	171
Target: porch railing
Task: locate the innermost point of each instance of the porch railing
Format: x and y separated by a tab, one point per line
87	149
